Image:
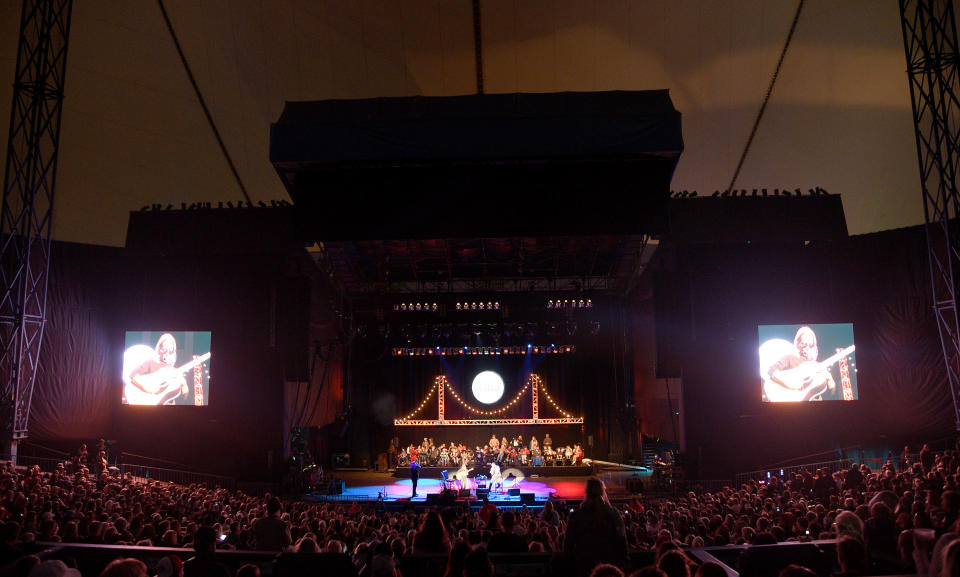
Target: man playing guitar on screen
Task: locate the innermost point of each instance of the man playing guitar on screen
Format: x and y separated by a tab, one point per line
798	376
151	377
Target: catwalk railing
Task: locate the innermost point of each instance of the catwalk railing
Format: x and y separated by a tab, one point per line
763	474
750	560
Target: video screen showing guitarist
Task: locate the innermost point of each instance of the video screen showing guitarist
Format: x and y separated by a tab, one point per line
794	372
151	375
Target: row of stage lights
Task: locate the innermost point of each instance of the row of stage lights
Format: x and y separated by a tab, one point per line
478	306
432	307
570	304
490	305
453	351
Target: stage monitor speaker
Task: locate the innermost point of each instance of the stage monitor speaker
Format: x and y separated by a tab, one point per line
513	492
433	498
528	498
464	492
481	493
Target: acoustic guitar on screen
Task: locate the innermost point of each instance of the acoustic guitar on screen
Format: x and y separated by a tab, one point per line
161	386
803	382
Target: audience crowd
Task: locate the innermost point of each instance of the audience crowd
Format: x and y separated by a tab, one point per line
902	518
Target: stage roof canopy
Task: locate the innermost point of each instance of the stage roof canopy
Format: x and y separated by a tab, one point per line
479	166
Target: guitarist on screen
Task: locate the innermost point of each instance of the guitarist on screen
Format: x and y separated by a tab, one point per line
150	376
799	371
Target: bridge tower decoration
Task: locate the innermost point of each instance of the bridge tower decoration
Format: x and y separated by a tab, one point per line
441	386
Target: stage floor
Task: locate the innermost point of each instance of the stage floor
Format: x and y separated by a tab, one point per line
370	485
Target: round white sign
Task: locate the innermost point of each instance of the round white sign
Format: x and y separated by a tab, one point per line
487	387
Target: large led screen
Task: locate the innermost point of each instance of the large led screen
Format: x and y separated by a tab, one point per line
166	368
807	362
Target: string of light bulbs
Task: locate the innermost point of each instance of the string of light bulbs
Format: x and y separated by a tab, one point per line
553	403
477	411
437	383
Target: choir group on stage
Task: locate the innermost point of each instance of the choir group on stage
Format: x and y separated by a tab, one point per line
503	453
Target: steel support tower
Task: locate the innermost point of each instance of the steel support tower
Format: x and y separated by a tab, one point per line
25	216
930	43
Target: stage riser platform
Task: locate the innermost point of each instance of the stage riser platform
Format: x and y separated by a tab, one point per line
528	472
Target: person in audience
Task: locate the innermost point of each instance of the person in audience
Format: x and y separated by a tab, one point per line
432	535
477	564
455	561
170	566
507	540
595	532
271	533
204	562
606	570
248	570
122	568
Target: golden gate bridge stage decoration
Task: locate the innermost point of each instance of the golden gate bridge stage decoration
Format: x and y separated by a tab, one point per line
488	417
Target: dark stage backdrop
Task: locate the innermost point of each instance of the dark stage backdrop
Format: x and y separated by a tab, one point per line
97	293
592	382
879	282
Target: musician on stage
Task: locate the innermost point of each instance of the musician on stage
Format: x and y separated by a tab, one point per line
811	376
414	476
461	476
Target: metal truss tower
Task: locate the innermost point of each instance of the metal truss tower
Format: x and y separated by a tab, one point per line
930	42
25	216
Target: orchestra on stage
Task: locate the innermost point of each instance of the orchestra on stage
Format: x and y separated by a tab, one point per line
513	453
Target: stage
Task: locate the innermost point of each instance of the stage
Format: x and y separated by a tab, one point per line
525	472
369	486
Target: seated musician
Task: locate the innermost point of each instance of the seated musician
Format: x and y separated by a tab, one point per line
150	376
461	476
537	457
798	369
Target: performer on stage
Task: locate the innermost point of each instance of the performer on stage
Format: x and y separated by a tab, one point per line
461	476
496	477
414	476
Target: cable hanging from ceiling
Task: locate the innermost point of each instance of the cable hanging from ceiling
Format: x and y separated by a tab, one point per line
766	97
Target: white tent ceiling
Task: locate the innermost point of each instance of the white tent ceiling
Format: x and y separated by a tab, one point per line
134	133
